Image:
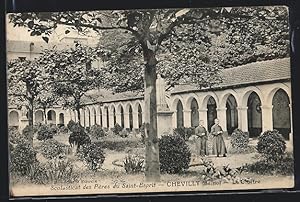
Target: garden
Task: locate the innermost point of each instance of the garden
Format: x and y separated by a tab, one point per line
70	155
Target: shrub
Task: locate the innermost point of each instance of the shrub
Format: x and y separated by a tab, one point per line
189	132
71	124
97	132
124	133
181	132
133	164
174	154
285	166
14	136
92	155
51	149
38	174
45	132
63	129
239	140
21	158
78	136
271	145
224	174
117	129
28	133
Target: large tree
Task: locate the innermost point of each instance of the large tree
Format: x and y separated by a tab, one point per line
24	81
70	74
155	32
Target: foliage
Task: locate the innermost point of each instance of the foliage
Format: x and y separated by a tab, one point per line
117	129
271	145
285	166
185	132
93	156
174	154
78	136
223	174
133	164
63	129
124	133
14	136
118	143
28	133
22	157
52	149
45	132
38	174
239	140
97	132
71	124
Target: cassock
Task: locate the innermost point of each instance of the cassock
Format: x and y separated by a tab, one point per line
219	147
201	140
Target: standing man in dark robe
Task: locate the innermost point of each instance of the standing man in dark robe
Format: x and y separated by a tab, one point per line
219	147
201	133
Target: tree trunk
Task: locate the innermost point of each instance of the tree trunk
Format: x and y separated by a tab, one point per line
152	170
45	116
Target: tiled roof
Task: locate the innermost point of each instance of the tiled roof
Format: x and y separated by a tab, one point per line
248	74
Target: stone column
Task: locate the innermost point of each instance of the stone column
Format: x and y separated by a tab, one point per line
126	120
267	120
291	119
203	116
56	118
118	118
174	119
187	118
222	118
243	118
93	118
67	117
98	117
87	118
111	120
104	119
135	120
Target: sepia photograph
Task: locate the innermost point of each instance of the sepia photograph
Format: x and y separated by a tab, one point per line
149	101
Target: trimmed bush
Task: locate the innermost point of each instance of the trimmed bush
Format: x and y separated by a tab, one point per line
78	136
124	133
181	132
133	164
45	132
21	158
71	124
92	155
239	140
97	132
117	129
63	129
271	145
174	154
52	149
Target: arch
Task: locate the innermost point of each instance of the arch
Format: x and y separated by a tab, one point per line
225	95
231	113
281	115
100	117
279	86
93	116
61	119
179	114
51	116
175	102
194	107
120	111
39	116
247	92
13	119
254	114
189	100
211	106
140	115
113	114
